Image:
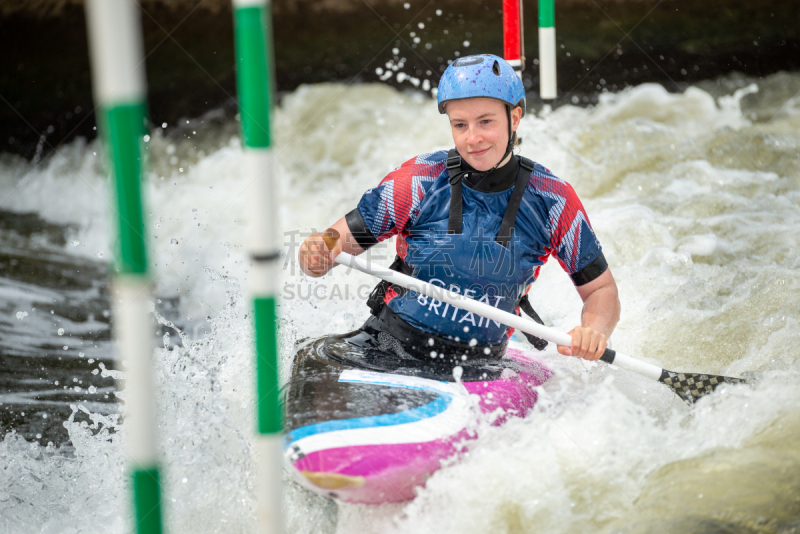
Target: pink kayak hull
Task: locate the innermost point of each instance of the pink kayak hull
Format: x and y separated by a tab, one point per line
349	466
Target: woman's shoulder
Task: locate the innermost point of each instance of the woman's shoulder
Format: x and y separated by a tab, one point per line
429	164
420	170
544	182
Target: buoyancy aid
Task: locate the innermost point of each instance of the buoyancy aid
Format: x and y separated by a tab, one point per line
483	268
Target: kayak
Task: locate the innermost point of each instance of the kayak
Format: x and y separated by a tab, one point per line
369	425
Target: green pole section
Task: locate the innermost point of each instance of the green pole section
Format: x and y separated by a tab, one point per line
266	326
119	89
252	29
547	14
122	128
147	501
254	80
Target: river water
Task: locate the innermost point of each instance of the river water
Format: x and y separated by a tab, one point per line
695	198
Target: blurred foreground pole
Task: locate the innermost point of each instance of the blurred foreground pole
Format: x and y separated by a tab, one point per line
118	76
547	50
513	37
253	35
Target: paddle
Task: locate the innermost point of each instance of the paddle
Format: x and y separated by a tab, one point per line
689	386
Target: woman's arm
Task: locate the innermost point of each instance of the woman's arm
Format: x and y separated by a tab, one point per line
599	317
315	258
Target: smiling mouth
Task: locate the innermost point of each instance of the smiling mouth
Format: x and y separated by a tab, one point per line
479	152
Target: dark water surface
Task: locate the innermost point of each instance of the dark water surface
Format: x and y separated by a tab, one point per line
54	330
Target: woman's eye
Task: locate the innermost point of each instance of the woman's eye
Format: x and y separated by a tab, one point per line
486	121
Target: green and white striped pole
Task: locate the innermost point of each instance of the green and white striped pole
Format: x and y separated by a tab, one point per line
118	76
547	50
253	35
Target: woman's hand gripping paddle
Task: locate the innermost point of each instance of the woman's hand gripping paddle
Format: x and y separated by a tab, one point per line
689	386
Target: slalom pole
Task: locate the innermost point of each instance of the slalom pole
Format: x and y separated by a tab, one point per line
513	35
118	79
547	50
253	36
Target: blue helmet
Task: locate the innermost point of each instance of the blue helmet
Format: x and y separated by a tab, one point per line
481	76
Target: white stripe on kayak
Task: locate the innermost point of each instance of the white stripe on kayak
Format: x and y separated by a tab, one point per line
402	381
442	425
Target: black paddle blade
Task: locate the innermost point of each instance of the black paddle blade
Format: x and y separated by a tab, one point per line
692	386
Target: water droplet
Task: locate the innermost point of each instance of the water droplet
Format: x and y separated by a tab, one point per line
99	254
473	342
421	25
21	315
75	243
438	12
60	331
458	372
407	5
173	241
466	44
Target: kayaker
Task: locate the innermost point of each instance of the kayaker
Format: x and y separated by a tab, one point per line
478	220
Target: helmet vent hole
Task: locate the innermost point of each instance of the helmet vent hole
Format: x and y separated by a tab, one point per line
496	68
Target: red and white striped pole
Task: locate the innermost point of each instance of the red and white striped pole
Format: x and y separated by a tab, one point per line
513	41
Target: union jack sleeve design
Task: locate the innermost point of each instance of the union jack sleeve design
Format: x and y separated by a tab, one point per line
572	239
393	206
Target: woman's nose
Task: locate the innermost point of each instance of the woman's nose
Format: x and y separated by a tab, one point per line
473	135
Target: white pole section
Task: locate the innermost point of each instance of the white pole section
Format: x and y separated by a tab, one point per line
547	50
253	36
118	76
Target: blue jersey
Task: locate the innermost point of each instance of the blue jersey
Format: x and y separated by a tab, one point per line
413	203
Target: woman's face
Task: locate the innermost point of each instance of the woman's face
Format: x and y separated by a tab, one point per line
480	130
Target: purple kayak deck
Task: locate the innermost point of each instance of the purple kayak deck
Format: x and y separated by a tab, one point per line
385	457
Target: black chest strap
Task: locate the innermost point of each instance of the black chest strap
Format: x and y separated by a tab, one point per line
455	174
510	216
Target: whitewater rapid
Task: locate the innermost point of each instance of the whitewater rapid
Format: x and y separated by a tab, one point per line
695	198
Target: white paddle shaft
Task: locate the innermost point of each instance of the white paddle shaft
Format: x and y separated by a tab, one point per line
490	312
